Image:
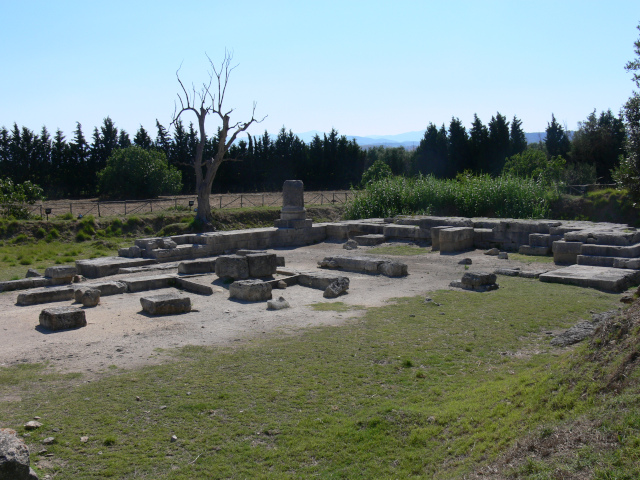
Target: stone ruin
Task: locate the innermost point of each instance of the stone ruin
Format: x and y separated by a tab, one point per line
597	255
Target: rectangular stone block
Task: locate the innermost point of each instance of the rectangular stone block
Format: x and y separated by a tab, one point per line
369	240
151	282
168	304
61	318
194	287
205	265
45	295
600	278
435	236
262	264
107	288
411	232
105	266
232	266
455	239
61	271
566	252
543	239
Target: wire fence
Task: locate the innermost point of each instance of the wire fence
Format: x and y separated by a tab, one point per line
99	208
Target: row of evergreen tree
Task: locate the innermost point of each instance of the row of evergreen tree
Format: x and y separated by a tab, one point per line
68	168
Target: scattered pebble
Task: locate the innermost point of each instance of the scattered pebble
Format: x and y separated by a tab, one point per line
137	399
84	439
174	438
48	440
32	425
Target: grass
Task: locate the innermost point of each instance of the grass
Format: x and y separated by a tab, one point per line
410	390
530	258
399	250
16	259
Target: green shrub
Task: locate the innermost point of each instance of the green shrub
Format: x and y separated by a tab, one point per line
15	198
40	233
375	172
133	172
467	195
22	238
81	236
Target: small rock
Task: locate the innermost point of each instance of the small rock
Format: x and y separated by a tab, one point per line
337	287
278	304
137	399
350	245
465	261
627	299
42	451
503	256
163	407
492	251
174	438
281	284
48	440
32	273
32	425
37	418
90	297
84	439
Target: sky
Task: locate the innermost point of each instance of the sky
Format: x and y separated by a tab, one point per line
361	67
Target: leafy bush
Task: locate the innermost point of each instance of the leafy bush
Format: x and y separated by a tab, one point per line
81	236
15	198
467	195
40	233
534	164
133	172
375	172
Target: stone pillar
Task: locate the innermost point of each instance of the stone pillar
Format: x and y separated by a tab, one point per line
293	214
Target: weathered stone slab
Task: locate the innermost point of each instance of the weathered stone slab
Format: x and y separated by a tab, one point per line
130	252
368	264
370	240
150	282
566	252
105	266
61	271
105	288
14	457
232	266
262	264
455	239
168	304
600	278
509	272
250	290
24	284
203	265
543	239
595	261
633	263
193	287
61	318
45	295
631	251
411	232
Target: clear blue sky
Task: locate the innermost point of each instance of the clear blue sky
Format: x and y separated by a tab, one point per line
362	67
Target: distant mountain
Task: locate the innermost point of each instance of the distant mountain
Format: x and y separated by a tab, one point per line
409	140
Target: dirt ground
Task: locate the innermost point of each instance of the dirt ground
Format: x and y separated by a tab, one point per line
119	333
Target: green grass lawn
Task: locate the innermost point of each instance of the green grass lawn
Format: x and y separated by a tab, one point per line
410	390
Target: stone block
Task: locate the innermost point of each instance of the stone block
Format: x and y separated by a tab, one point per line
411	232
601	278
61	318
566	252
130	252
205	265
262	264
61	271
482	237
105	288
24	283
370	240
33	273
543	239
393	269
250	290
150	282
45	295
232	266
455	239
435	236
336	288
477	279
193	287
14	457
87	296
168	304
317	280
350	245
105	266
633	263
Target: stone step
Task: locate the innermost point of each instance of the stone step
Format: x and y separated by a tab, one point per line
543	239
631	251
105	266
45	295
534	250
600	278
151	282
596	260
370	240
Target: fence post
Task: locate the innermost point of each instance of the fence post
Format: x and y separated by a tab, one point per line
125	207
151	205
71	208
240	200
175	201
263	199
98	209
220	202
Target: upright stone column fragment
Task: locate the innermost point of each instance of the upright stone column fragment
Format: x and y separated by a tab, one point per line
293	214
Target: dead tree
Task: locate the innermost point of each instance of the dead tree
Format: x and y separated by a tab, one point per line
207	102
